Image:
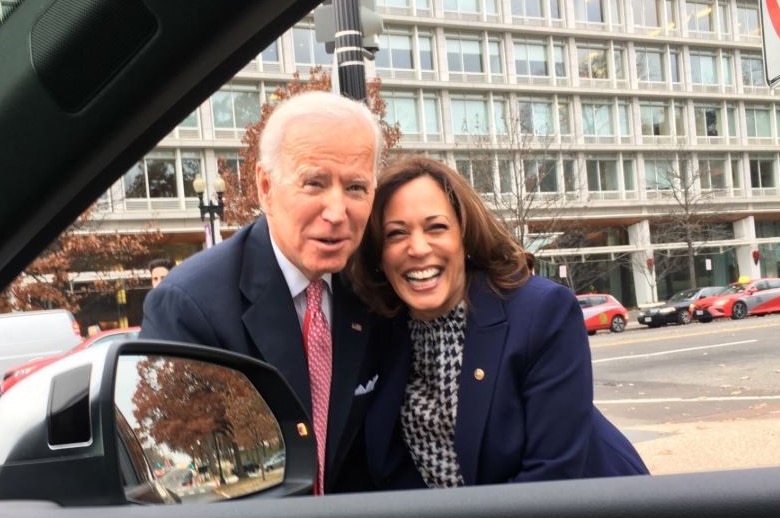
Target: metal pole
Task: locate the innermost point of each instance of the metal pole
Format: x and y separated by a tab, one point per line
222	480
349	49
211	222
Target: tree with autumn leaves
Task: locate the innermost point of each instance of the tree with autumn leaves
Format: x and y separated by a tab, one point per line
49	281
241	200
203	410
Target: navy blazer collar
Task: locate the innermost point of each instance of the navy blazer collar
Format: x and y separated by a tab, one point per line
483	351
270	317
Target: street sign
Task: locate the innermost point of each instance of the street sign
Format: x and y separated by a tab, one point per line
770	30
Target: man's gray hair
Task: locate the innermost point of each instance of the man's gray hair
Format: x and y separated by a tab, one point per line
313	106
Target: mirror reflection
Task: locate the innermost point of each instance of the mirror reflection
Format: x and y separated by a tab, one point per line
205	430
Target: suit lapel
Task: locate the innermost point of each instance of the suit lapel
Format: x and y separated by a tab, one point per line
350	336
270	319
482	353
386	406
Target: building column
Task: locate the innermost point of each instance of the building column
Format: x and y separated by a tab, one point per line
644	277
745	230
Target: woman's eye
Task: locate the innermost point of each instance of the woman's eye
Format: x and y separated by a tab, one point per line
393	233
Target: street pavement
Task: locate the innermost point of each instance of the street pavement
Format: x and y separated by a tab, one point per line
735	441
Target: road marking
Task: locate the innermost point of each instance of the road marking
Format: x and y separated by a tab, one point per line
611	340
700	399
672	351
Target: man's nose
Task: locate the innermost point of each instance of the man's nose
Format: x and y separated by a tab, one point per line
335	207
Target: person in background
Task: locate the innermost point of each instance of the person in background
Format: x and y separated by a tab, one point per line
485	374
273	290
159	268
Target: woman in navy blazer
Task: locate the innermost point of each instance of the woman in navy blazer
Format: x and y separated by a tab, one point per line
486	372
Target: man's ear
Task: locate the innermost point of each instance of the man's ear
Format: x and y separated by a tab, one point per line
263	188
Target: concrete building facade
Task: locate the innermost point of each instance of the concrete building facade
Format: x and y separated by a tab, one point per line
601	127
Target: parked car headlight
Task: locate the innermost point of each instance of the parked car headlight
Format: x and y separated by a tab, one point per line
666	311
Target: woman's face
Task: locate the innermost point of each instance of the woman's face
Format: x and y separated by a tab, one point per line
423	256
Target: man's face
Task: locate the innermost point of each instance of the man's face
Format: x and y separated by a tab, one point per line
158	274
319	201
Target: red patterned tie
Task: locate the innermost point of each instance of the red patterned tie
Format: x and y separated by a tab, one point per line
317	340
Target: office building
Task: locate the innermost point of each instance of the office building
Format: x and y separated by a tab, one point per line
606	126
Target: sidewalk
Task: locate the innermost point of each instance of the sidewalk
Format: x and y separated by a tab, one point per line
708	445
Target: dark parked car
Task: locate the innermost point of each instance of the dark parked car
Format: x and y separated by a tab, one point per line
275	461
677	309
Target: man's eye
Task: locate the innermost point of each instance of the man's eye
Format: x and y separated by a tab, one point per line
313	183
358	187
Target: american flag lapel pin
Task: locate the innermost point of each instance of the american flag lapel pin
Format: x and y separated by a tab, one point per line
357	327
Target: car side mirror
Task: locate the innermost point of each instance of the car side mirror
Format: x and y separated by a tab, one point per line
153	422
205	428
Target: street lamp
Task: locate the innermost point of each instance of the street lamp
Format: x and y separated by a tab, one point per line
213	210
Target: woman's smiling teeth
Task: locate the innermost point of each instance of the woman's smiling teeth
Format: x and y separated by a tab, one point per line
418	277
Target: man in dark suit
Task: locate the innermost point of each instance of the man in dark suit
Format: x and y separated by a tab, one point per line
316	180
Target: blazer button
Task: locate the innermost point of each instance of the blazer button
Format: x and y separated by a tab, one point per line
479	374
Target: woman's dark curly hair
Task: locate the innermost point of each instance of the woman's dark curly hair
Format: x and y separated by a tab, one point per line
488	245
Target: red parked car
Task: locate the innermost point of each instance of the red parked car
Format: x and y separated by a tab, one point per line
13	375
739	300
603	311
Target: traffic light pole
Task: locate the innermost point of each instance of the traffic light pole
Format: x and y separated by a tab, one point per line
349	49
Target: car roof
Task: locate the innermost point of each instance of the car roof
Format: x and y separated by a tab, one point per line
110	332
17	314
77	115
